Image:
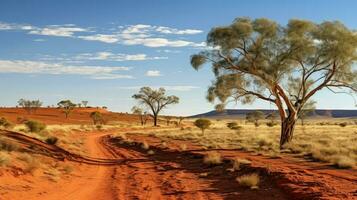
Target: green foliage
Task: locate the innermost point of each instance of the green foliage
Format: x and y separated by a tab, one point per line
5	123
202	124
51	140
155	100
343	124
35	126
254	117
284	65
233	126
8	145
67	106
97	117
29	105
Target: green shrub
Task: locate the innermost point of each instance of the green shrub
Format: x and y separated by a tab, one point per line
271	124
202	124
51	140
343	124
4	159
35	126
233	126
5	123
8	145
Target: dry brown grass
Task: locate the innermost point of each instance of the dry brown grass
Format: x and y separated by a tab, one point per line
249	180
212	158
322	140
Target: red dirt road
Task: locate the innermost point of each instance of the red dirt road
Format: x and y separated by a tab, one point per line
115	169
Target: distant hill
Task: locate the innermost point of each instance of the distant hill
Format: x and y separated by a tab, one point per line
238	113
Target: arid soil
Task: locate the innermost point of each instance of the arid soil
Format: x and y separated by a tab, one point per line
56	115
115	169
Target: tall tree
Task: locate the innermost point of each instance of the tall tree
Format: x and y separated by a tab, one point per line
259	59
155	100
67	106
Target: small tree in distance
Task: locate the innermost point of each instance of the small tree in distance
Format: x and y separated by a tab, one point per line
254	117
202	124
67	106
155	100
283	65
85	103
142	115
30	105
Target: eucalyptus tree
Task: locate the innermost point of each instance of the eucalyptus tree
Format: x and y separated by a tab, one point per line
67	106
260	59
155	100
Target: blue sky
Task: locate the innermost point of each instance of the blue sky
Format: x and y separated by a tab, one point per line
104	51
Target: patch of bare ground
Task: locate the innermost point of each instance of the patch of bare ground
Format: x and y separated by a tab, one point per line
287	175
171	174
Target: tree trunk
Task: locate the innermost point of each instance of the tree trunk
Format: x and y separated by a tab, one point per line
155	120
287	130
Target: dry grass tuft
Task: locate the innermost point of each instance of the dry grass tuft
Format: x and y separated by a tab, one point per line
150	152
145	145
344	162
4	159
183	147
212	158
249	180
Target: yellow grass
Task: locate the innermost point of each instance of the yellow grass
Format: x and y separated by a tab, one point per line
321	140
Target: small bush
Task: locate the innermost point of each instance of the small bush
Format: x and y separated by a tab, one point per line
233	126
52	140
344	162
35	126
5	123
8	145
145	145
99	127
4	159
212	158
249	180
183	147
343	124
271	124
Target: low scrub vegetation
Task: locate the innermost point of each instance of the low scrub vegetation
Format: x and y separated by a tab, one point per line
212	158
4	159
313	141
249	180
35	126
51	140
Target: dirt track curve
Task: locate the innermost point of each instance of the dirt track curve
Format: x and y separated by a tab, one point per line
115	169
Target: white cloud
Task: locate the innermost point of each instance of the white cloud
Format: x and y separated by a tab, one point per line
39	40
180	88
66	30
139	34
167	51
116	57
37	67
153	73
101	38
168	30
